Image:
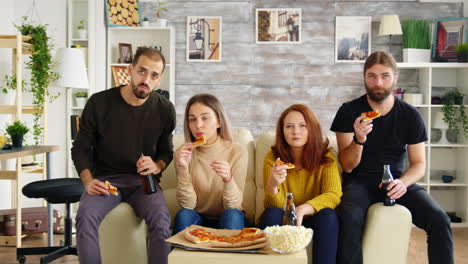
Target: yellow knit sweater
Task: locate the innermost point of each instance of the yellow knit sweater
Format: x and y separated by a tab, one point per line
320	188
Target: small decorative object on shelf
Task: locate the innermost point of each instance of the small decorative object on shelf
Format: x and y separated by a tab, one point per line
145	22
17	130
447	178
462	52
416	40
82	32
160	9
80	99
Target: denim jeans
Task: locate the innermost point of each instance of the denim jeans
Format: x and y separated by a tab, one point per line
229	219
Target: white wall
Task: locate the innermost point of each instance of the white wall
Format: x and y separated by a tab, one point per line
53	13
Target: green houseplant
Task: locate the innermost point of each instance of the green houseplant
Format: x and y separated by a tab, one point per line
82	32
454	112
17	130
161	7
416	40
145	22
41	67
462	52
80	99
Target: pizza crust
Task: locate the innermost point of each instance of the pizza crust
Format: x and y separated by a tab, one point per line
111	189
370	115
199	141
279	162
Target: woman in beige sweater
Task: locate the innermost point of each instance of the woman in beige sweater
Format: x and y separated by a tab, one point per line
210	177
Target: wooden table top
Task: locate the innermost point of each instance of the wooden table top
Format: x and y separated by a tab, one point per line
26	151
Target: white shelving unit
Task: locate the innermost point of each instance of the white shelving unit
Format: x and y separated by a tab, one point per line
78	10
443	159
143	36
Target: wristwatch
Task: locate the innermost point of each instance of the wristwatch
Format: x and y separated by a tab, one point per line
357	141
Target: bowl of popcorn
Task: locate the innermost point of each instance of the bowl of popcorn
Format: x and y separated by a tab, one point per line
288	239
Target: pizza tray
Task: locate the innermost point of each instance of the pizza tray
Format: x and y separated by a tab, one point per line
179	241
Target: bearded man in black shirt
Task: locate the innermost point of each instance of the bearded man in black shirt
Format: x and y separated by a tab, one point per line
125	132
365	146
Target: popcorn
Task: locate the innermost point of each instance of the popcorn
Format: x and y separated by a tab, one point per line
288	239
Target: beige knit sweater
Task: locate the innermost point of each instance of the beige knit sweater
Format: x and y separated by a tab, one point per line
200	189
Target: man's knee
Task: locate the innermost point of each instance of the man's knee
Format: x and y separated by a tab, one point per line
439	218
351	216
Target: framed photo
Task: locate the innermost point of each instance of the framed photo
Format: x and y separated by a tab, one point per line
125	53
204	38
120	75
447	34
123	13
353	38
278	26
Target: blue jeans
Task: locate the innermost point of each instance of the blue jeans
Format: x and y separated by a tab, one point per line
325	237
229	219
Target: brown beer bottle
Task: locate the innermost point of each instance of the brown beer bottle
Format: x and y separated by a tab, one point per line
289	217
149	184
387	177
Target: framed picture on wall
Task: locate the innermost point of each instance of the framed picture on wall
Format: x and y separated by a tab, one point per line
448	33
120	75
204	38
352	38
125	53
123	13
278	26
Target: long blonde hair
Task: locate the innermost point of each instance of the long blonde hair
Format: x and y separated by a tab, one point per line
212	102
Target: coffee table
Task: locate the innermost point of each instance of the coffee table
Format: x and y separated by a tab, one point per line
181	256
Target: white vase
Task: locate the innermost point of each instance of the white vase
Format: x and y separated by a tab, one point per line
9	164
145	24
80	101
161	22
416	55
82	34
7	98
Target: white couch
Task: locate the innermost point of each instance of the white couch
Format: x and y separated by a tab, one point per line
387	228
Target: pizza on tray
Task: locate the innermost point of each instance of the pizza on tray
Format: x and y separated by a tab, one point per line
246	237
370	115
199	141
288	165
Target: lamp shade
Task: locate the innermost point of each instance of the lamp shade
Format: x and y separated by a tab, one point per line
439	122
390	25
71	67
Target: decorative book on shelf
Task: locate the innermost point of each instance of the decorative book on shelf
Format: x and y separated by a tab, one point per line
75	125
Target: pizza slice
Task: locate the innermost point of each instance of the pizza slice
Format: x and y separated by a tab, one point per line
370	115
246	237
199	141
279	162
198	236
111	189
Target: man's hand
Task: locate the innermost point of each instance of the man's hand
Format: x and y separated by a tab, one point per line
362	128
96	187
396	189
146	165
301	211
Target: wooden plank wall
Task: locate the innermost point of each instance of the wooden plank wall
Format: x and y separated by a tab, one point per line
257	82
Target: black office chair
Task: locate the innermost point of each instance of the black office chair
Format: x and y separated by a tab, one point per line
55	191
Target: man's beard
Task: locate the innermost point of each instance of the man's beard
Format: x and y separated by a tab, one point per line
141	94
382	93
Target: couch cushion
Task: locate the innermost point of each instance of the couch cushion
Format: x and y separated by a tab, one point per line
264	143
169	180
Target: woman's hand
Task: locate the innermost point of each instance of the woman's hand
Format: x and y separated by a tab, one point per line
183	155
222	169
301	211
277	176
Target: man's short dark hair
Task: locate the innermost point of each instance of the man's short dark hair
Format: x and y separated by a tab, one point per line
150	52
381	57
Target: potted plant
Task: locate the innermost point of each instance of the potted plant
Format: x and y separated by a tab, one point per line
462	52
41	67
160	9
80	99
145	22
17	130
454	112
82	32
416	41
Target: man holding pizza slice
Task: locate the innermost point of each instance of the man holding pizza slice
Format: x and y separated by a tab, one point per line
117	126
376	129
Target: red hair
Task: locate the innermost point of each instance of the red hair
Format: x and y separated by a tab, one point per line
314	150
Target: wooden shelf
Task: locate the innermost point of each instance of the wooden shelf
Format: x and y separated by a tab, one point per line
26	109
9	42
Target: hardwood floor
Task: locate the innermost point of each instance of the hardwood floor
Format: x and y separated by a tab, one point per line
417	253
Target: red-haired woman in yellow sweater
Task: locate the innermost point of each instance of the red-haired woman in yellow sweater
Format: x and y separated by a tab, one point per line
315	181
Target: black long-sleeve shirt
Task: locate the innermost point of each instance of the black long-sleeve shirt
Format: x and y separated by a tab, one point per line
113	134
